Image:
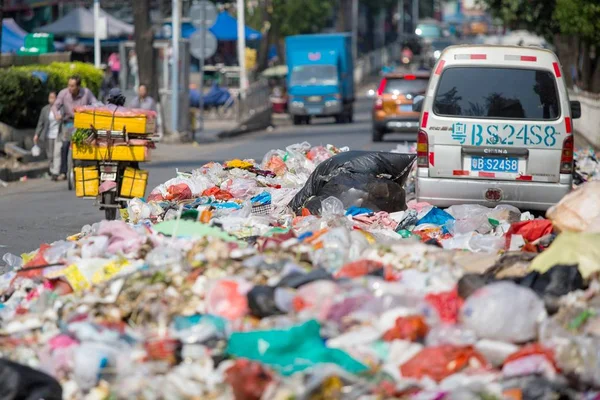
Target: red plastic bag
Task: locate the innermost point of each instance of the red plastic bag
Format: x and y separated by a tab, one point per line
227	299
530	350
411	328
217	193
447	304
530	230
155	196
358	268
180	191
31	270
248	379
276	165
441	361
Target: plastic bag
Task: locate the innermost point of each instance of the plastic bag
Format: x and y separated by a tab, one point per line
240	188
578	211
12	261
138	210
529	230
36	151
447	305
218	194
411	328
227	298
487	311
18	382
441	361
248	379
469	218
364	179
290	350
571	248
316	299
331	207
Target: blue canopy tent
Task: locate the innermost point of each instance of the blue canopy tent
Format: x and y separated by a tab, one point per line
13	36
224	29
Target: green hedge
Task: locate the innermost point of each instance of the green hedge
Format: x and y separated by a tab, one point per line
22	95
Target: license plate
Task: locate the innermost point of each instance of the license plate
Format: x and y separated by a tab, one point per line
315	110
405	108
108	176
314	98
493	164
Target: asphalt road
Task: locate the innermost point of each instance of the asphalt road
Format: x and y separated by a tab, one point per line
40	211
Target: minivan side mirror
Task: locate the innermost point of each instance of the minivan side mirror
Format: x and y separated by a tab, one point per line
575	109
417	105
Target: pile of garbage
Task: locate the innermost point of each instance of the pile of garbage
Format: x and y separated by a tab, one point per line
275	280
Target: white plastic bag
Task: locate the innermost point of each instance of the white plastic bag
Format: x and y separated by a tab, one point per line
579	211
504	311
36	151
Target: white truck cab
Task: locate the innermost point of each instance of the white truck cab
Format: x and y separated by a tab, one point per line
496	127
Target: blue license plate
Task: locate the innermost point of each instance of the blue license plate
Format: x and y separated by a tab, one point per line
315	110
492	164
406	108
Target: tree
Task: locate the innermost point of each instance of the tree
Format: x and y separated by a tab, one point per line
144	38
533	15
277	19
572	25
581	19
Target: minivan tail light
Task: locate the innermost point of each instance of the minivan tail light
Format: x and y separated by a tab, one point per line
566	158
379	104
422	149
410	77
381	86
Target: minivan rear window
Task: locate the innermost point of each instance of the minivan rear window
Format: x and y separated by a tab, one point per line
405	86
503	93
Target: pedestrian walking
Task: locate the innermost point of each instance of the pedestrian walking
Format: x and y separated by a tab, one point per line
143	100
133	69
108	82
64	109
47	132
114	62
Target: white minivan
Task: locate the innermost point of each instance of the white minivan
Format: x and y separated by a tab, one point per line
496	127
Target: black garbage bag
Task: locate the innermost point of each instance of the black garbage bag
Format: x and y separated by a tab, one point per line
261	301
554	283
19	382
368	179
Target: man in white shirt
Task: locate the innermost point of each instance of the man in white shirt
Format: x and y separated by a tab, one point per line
47	131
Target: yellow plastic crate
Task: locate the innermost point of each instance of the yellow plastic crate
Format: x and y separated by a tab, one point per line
134	183
139	124
87	181
118	153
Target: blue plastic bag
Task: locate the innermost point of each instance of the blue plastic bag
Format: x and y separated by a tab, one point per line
437	216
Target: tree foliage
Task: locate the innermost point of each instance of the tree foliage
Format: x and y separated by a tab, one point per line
533	15
291	17
579	18
573	25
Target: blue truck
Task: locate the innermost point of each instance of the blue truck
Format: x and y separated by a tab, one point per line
320	77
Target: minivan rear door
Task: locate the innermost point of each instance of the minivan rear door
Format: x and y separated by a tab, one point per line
503	123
